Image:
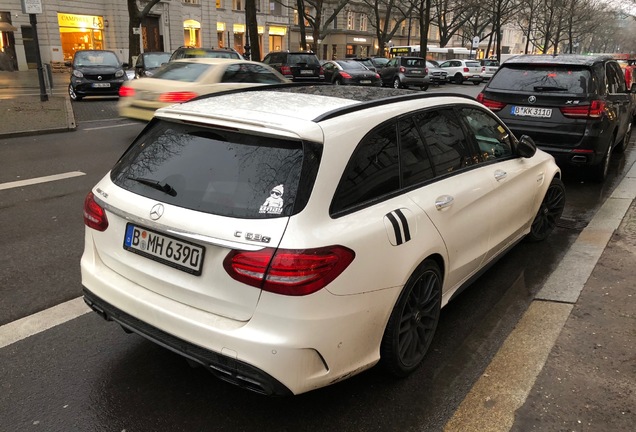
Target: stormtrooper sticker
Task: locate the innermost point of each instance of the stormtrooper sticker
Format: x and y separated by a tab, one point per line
273	204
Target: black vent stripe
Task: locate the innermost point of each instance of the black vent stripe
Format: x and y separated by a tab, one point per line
401	226
396	227
405	225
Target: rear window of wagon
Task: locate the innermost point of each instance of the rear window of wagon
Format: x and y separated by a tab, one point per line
219	172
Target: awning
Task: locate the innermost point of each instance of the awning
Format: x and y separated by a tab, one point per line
6	27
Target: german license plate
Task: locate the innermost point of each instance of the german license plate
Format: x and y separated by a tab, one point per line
168	250
365	81
101	85
524	111
416	71
306	72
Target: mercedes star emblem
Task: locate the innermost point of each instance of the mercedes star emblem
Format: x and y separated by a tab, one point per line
532	99
156	211
99	77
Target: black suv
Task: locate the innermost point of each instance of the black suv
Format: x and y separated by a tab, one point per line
575	107
95	73
185	52
302	66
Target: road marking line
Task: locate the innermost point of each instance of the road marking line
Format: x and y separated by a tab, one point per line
33	324
108	127
29	182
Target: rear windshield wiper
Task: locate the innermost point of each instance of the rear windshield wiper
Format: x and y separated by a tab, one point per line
549	88
160	186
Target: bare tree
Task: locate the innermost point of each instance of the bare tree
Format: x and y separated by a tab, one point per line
252	48
319	14
135	17
387	17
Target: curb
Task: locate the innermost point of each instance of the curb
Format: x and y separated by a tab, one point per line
71	125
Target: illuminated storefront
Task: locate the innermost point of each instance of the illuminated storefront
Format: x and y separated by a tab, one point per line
78	32
192	33
276	37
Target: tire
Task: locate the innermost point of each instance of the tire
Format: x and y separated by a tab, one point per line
413	321
74	96
601	169
396	83
549	212
424	87
338	82
458	78
620	148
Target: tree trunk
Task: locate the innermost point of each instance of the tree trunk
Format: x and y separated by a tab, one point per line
301	24
134	47
252	43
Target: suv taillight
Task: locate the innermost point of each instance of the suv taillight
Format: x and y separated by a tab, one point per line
493	105
466	69
94	214
285	70
288	271
594	110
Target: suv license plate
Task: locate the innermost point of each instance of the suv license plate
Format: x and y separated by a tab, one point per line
101	85
306	72
523	111
179	254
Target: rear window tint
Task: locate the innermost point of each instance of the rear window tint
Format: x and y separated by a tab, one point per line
546	79
473	64
218	172
182	71
413	62
303	59
490	62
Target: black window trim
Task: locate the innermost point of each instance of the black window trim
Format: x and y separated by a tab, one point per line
470	141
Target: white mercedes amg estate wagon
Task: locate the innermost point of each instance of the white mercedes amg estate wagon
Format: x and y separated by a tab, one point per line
288	237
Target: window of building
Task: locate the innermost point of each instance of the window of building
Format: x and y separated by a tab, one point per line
237	5
191	1
364	22
192	33
275	8
351	16
219	4
351	50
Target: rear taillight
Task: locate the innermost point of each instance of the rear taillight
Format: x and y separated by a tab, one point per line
489	103
483	68
594	110
345	75
175	97
426	71
402	69
466	69
285	70
286	271
125	91
94	214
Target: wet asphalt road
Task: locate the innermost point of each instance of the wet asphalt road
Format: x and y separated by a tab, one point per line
88	375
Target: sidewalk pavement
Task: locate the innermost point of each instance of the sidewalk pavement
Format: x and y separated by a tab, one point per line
22	115
570	363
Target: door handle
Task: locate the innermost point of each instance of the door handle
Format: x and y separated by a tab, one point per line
500	175
443	201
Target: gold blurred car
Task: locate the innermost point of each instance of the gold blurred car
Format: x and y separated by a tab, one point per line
181	80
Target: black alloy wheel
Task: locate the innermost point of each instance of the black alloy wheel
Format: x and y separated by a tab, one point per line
424	87
620	147
71	92
413	321
458	78
549	212
601	169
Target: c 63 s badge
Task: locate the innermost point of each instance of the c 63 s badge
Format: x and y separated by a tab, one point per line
252	237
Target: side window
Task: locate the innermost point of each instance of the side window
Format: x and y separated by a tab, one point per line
492	138
445	141
615	79
372	172
445	64
416	165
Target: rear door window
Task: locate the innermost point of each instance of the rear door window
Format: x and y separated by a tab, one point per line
219	172
544	79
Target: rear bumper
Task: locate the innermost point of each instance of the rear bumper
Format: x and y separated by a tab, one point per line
224	367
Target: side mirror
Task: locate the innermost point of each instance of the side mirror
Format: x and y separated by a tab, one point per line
68	64
526	147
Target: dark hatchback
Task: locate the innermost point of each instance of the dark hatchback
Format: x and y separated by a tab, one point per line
302	66
148	63
350	72
95	73
575	107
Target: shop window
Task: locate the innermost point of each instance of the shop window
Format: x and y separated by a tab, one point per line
350	50
237	5
219	4
192	33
